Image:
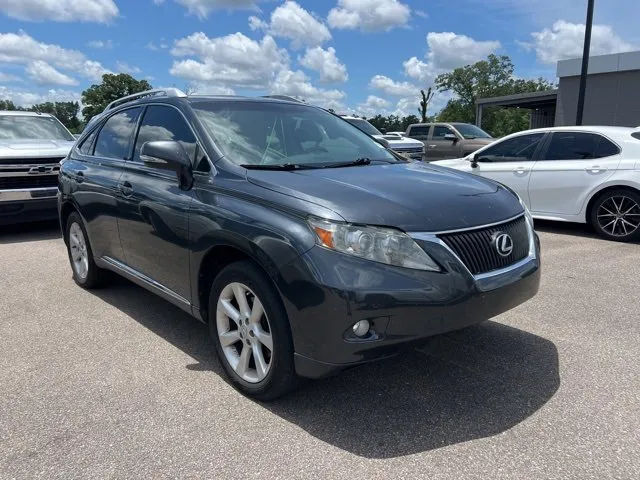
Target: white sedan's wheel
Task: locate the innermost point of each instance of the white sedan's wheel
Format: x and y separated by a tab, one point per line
616	215
244	332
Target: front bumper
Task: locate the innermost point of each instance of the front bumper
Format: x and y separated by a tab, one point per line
28	205
325	293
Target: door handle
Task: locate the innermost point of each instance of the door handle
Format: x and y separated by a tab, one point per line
126	189
432	146
595	169
521	170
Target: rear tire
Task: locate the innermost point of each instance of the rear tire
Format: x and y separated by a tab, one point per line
615	215
251	332
85	272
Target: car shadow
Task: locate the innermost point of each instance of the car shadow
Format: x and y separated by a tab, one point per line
566	228
30	232
457	387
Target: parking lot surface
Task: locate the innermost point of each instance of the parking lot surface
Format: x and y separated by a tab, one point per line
117	383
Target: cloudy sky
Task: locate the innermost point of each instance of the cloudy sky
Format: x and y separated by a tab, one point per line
363	56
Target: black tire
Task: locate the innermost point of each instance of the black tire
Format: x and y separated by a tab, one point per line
281	377
94	276
606	204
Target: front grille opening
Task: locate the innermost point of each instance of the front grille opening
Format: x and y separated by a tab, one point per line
478	252
31	181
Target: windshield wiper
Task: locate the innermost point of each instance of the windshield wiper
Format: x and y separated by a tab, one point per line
282	166
356	162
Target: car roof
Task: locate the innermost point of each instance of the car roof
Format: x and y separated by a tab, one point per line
605	129
22	113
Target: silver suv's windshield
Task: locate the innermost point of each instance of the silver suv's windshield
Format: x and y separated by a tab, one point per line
471	131
364	126
265	133
26	127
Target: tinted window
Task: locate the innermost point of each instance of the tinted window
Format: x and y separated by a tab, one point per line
27	127
164	123
273	133
572	146
606	148
364	126
422	130
86	146
439	131
115	135
516	149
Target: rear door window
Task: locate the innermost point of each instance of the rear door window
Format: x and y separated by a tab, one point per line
114	139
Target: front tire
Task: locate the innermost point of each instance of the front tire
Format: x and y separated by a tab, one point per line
85	272
251	332
616	215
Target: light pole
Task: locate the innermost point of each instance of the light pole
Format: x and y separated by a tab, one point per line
585	62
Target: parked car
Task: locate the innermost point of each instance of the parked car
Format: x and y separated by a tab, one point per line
448	140
398	134
409	148
31	148
571	174
305	254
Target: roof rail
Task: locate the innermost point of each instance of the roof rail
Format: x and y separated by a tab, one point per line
283	97
166	92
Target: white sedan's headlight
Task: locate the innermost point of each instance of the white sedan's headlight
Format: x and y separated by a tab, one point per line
384	245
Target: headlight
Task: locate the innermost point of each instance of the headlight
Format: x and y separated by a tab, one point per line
384	245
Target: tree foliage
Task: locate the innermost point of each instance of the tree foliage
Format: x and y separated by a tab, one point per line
113	87
393	122
493	77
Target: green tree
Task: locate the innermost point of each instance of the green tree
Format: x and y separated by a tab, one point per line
492	77
9	105
97	97
66	112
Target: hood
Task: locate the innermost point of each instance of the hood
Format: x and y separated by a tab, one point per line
16	148
413	197
397	142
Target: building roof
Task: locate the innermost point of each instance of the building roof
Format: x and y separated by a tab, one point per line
616	62
525	100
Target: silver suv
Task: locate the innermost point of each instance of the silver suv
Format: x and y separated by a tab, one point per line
448	140
31	148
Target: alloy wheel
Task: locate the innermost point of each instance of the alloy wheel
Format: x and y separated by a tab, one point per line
619	216
79	254
244	332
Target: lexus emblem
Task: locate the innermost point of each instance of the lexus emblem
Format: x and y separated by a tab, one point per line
503	244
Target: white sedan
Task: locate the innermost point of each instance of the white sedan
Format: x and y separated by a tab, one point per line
571	174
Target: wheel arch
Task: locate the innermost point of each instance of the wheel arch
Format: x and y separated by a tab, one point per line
603	191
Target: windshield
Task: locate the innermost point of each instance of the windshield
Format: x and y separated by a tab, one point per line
16	127
364	126
471	131
264	133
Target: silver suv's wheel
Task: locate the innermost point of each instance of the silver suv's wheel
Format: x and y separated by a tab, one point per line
244	332
616	215
85	272
251	331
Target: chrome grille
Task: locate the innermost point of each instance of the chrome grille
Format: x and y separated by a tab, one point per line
477	250
409	150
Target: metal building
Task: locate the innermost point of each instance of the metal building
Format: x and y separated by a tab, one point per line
612	95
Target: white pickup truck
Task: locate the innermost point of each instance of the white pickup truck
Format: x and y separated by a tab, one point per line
407	147
31	148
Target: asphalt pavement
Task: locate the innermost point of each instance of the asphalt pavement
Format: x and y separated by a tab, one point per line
117	383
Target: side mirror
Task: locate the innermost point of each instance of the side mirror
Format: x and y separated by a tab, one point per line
383	130
451	136
169	155
474	160
383	142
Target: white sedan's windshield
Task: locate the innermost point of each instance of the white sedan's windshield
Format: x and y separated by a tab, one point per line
266	133
26	127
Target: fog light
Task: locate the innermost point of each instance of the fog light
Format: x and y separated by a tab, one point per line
361	328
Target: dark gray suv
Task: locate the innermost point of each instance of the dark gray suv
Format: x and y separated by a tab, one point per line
305	245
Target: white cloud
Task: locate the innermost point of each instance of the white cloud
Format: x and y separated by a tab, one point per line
202	8
293	22
123	67
7	77
26	98
44	74
369	15
101	11
231	61
106	44
297	84
446	51
326	63
373	106
393	88
565	40
421	13
22	49
155	47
